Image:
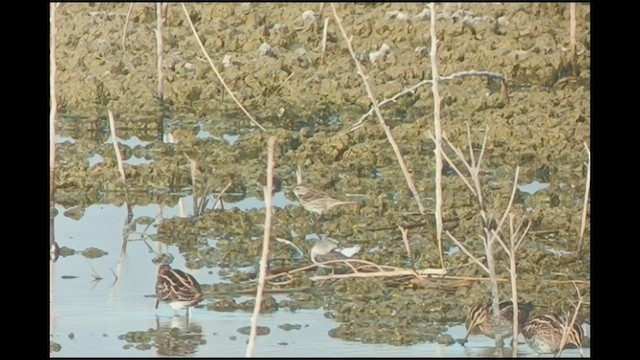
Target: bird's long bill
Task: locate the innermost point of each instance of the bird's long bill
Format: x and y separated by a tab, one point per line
157	302
471	325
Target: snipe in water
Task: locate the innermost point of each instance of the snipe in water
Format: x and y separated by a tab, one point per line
481	319
177	288
543	334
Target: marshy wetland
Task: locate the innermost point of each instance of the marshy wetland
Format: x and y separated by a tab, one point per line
198	142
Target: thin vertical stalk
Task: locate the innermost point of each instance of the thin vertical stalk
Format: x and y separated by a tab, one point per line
585	204
514	285
572	39
265	248
160	51
495	296
437	128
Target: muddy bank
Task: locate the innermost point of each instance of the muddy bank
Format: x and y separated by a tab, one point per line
310	100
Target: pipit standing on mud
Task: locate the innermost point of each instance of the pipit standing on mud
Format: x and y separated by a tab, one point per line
316	201
178	289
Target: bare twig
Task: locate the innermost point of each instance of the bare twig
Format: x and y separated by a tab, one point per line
489	236
585	204
404	231
116	148
124	30
374	103
361	268
215	70
437	128
114	140
324	38
219	198
567	326
514	244
265	248
467	252
442	80
160	51
572	39
299	176
283	82
453	166
193	167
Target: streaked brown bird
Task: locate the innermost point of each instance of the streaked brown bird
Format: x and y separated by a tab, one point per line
177	288
317	201
543	334
481	318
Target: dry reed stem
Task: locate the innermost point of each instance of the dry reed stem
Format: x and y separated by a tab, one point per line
53	110
467	252
372	270
405	238
565	330
160	51
193	169
585	204
437	128
299	177
126	25
514	244
215	70
572	39
374	102
453	166
116	148
476	278
265	248
219	198
442	80
283	82
324	38
489	238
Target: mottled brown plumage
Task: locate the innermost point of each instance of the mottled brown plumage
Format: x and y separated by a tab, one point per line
178	289
317	201
481	319
543	334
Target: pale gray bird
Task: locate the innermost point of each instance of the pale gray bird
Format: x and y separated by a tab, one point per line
326	249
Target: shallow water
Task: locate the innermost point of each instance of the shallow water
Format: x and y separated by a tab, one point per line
88	317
